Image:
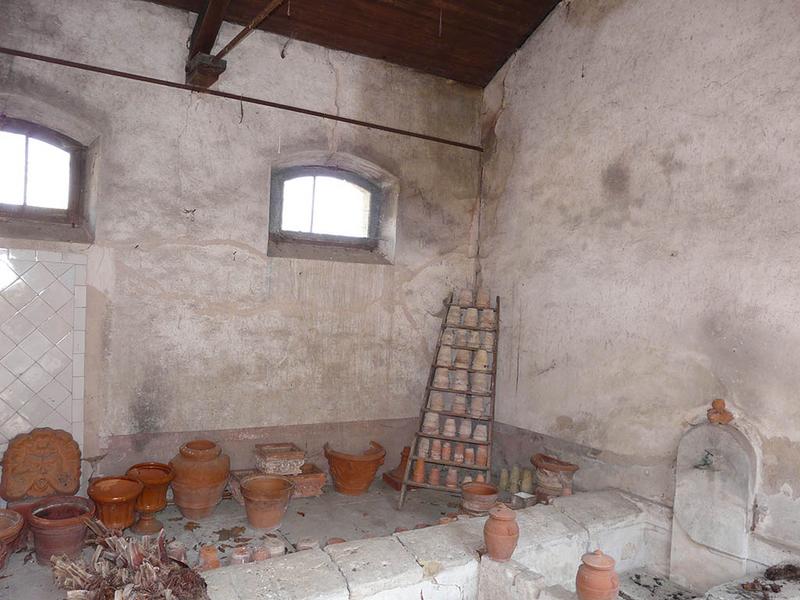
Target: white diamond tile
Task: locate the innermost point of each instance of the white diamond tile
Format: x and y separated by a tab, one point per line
37	311
65	345
16	361
79	324
80	296
77	388
6	377
68	277
67	312
80	275
78	344
58	268
35	345
56	421
54	393
65	377
65	409
55	328
44	255
17	328
19	294
56	295
35	410
38	278
22	254
6	345
6	412
54	361
6	310
77	410
7	275
20	266
16	395
14	426
35	378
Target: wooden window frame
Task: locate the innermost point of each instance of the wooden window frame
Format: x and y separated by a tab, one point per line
279	235
73	214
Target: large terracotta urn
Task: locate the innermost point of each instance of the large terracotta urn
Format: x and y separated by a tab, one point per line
201	473
501	533
156	478
353	473
115	498
596	579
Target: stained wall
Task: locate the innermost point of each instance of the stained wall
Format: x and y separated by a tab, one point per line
640	221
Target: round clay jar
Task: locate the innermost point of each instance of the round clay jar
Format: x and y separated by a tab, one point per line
596	579
201	473
501	533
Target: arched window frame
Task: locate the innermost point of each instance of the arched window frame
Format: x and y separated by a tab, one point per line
73	214
278	234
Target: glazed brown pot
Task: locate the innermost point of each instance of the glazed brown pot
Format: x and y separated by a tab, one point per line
11	524
201	473
115	498
353	473
266	498
501	533
155	478
596	579
59	526
478	497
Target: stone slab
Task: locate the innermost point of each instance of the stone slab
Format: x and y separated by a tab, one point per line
599	510
297	576
372	566
508	580
445	546
642	585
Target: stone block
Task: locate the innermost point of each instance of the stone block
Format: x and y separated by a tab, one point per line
509	580
598	511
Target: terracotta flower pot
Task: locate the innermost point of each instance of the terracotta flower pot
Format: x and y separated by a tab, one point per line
201	473
353	473
115	498
553	476
11	524
596	579
501	533
478	498
59	526
155	478
266	498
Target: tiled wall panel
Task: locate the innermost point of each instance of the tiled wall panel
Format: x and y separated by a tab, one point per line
42	340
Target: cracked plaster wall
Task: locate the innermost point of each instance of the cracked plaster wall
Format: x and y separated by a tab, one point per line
640	221
191	326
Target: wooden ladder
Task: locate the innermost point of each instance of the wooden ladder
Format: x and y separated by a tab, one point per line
487	417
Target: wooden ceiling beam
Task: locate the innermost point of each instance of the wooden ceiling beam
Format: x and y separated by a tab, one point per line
203	69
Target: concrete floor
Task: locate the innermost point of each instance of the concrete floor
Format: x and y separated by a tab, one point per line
374	514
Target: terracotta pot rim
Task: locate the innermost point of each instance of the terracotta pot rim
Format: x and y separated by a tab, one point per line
200	449
16	522
256	496
167	470
473	486
551	463
112	495
38	522
373	453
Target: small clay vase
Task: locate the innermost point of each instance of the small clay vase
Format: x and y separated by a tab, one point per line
241	555
463	359
482	456
487	319
465	429
423	447
460	337
448	337
441	379
481	382
474	339
156	478
459	406
266	498
480	361
460	381
469	456
419	472
436	449
465	297
482	298
201	474
458	453
449	429
208	558
452	478
481	433
487	340
454	316
59	526
434	476
444	358
476	407
115	498
479	478
471	317
430	423
11	524
436	401
501	533
447	451
597	579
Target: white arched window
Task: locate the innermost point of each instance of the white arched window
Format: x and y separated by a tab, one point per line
40	172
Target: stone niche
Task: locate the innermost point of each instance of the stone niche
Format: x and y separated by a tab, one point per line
714	493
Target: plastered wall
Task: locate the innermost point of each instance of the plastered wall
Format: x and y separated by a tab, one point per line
641	223
191	326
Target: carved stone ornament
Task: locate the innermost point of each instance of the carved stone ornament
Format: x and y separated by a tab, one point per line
44	462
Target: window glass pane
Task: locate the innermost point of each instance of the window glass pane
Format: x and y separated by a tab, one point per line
297	200
340	208
48	175
12	168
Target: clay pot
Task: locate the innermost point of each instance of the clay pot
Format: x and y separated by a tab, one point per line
452	478
443	359
441	379
201	473
419	472
481	383
241	555
353	473
436	449
436	401
482	298
513	480
458	453
465	297
465	429
11	524
449	429
501	533
447	451
596	579
471	317
115	498
481	433
478	498
487	341
473	339
423	446
460	337
448	337
469	456
463	359
156	478
59	526
487	319
460	381
476	407
481	360
208	558
434	476
430	423
266	498
527	482
454	316
479	478
4	552
459	405
482	456
553	476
